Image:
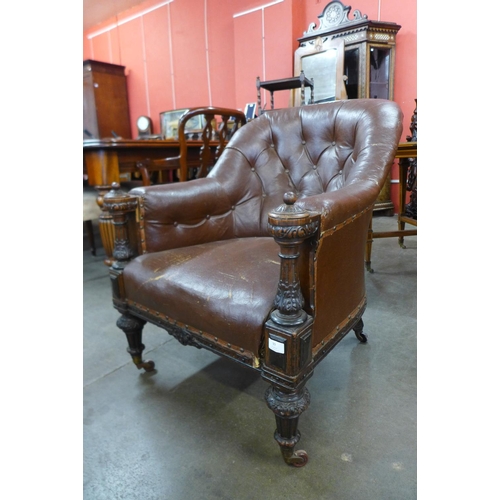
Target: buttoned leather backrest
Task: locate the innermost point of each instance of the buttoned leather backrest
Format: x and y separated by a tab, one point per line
309	150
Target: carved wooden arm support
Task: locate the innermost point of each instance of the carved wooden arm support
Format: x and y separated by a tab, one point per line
287	342
119	205
288	331
290	226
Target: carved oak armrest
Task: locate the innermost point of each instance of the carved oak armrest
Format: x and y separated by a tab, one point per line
122	208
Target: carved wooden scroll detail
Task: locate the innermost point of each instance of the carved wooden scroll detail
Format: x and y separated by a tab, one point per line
334	14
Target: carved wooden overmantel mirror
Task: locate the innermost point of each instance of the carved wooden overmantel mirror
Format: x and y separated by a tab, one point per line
366	62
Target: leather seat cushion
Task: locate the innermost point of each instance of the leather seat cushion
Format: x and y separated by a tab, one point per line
224	288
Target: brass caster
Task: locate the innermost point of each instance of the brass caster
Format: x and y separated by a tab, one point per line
298	458
148	365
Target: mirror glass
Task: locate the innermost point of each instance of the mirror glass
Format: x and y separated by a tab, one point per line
322	67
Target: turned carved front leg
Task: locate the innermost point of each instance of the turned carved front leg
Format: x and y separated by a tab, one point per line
358	331
287	408
120	205
132	327
288	351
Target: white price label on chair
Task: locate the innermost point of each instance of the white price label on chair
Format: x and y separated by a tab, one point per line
277	346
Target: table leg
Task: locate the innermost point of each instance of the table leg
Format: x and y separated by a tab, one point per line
403	172
102	170
106	228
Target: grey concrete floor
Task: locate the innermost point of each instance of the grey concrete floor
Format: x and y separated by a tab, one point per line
198	428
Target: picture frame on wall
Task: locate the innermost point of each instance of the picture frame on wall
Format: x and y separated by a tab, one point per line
169	123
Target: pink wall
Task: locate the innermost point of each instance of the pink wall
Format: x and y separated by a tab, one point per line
186	53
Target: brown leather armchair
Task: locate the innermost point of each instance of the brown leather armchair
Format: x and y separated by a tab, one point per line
222	263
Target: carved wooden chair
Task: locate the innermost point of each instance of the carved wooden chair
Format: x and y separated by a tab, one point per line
220	124
262	260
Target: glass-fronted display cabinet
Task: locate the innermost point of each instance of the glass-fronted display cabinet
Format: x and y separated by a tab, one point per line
370	49
369	58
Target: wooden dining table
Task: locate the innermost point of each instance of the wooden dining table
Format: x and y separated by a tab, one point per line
106	161
111	160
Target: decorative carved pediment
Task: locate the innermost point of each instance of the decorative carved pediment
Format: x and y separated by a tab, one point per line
334	22
335	14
